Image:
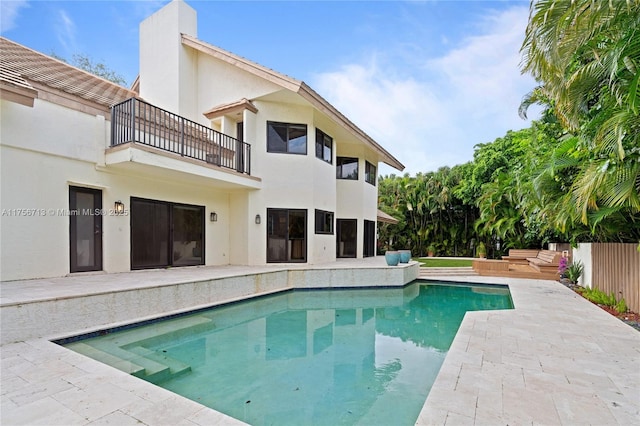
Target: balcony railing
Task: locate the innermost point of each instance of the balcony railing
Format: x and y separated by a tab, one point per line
137	121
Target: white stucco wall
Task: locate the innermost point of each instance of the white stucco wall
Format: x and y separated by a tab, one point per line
582	253
40	163
168	69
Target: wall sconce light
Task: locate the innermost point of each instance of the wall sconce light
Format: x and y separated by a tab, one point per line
213	217
258	219
118	207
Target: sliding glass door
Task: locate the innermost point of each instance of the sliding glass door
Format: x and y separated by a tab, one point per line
346	237
166	234
286	235
369	247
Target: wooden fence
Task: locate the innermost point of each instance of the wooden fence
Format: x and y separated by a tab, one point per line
616	268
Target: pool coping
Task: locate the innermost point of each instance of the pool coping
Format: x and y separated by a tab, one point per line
555	358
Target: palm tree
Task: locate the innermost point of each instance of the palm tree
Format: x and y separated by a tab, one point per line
586	56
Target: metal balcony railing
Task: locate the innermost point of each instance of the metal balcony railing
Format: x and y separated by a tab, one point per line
137	121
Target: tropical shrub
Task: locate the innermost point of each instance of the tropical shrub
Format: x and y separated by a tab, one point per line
575	271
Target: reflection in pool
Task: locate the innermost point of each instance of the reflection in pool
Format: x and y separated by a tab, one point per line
323	357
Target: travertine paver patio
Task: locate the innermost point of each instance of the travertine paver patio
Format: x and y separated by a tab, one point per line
554	359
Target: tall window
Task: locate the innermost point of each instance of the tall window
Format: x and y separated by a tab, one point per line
370	173
324	146
347	168
324	222
287	138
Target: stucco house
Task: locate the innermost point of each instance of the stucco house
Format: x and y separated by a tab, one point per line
209	159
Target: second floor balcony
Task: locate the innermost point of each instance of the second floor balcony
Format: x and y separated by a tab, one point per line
136	121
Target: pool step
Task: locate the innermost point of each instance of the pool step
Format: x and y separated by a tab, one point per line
176	368
127	361
460	271
114	361
162	331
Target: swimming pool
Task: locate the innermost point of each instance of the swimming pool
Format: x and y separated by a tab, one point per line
304	357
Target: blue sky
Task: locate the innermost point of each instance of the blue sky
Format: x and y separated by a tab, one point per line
428	80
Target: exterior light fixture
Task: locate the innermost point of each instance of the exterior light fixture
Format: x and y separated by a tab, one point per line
213	217
258	220
118	207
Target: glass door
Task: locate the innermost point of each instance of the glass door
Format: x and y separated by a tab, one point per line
188	244
346	237
369	248
85	229
149	234
166	234
286	235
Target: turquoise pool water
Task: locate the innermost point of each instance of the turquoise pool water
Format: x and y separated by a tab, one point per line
324	357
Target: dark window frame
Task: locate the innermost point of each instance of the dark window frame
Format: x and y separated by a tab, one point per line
340	162
323	141
289	127
369	176
324	217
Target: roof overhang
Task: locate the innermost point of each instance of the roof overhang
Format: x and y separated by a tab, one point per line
385	218
231	109
19	94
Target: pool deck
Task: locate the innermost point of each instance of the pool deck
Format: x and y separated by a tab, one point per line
555	359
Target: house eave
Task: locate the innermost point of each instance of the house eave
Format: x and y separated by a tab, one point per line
321	104
18	94
230	109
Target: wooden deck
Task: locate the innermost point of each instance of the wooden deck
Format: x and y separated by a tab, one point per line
503	268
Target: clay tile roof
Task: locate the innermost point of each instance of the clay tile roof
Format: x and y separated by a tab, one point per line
21	65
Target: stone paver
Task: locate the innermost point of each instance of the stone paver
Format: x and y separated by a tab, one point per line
554	359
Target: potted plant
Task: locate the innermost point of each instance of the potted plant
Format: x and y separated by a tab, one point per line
431	250
481	250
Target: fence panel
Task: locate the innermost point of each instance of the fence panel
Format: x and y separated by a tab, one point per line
616	268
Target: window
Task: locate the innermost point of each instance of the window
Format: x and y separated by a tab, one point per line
370	173
324	146
324	222
287	138
347	168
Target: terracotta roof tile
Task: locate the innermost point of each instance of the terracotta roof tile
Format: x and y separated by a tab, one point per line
20	65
